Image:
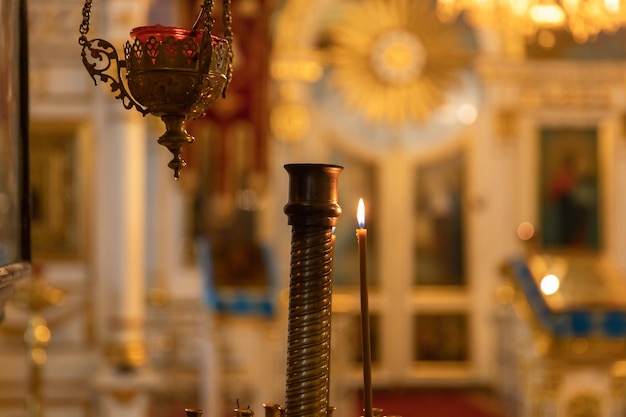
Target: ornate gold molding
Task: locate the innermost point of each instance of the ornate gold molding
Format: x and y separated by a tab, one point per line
127	355
124	396
554	85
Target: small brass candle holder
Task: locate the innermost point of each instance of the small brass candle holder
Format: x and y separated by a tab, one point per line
172	73
194	412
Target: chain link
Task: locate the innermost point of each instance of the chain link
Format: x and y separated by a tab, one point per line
228	35
208	23
208	20
84	26
208	13
228	22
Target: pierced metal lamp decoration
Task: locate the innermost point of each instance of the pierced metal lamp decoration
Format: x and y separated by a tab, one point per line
172	73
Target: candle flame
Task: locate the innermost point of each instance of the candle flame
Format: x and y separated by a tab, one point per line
360	214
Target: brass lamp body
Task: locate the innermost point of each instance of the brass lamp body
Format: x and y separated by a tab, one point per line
172	73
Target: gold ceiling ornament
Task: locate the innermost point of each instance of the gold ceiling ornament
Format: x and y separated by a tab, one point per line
393	60
585	19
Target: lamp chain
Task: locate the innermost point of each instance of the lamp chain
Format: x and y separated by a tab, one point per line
208	21
228	35
208	24
84	26
207	8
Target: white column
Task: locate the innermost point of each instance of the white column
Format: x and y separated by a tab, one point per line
394	272
121	405
119	228
165	219
120	223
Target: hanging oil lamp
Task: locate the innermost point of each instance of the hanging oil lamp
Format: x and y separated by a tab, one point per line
172	73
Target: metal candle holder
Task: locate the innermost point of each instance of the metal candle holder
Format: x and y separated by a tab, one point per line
312	212
172	73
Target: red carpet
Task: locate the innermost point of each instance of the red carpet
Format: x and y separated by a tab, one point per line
394	402
434	403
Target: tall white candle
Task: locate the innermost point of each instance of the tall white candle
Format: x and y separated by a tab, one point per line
361	234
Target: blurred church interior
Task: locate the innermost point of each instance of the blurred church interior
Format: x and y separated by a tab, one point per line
490	154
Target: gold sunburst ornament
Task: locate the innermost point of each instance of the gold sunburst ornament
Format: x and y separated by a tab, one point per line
393	60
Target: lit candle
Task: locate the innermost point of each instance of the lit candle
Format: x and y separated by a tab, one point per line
361	235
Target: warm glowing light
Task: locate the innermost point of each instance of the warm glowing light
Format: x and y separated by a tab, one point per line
467	113
42	334
584	19
303	69
546	38
612	5
398	56
39	356
525	231
547	14
360	214
550	284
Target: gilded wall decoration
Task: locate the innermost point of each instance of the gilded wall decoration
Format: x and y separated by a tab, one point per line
563	86
58	195
584	404
393	60
50	21
375	72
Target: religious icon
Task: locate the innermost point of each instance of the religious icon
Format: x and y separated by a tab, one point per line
441	337
438	235
569	199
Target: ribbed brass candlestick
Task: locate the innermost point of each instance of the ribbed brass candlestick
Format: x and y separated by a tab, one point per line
312	212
